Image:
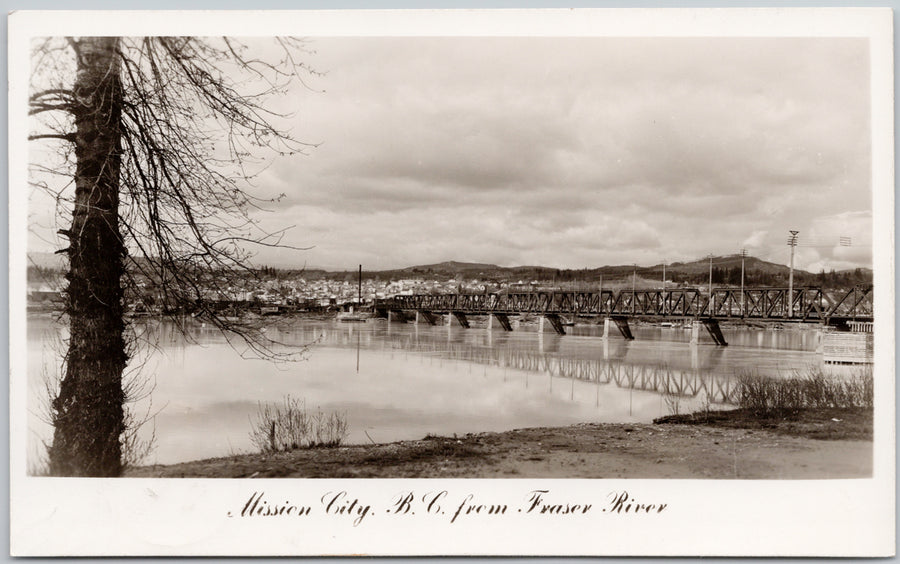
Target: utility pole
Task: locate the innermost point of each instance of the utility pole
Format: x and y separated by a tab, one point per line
792	243
601	293
743	257
360	287
711	306
633	276
665	301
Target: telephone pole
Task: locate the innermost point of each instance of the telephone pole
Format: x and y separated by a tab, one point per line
633	276
792	243
601	293
743	257
665	300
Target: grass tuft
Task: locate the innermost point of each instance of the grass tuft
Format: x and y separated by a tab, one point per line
290	426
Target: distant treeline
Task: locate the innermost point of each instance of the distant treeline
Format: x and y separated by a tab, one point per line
45	275
769	275
725	271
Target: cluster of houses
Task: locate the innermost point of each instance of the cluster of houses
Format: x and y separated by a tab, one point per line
299	291
326	292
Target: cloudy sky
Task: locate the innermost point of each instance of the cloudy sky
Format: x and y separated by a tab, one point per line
577	152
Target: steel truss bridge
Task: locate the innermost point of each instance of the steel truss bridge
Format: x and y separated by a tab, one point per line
807	305
800	305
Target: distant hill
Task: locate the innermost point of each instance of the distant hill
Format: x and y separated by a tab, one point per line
682	269
730	261
452	267
726	270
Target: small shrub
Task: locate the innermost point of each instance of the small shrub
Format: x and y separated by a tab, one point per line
673	403
329	429
289	426
814	389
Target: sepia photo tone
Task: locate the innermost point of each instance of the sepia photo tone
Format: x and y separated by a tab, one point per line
527	257
543	240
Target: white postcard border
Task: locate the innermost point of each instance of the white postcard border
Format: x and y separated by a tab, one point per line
53	516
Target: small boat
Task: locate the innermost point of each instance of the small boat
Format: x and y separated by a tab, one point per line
667	324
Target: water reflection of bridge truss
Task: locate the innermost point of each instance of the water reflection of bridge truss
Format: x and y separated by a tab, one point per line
666	380
613	369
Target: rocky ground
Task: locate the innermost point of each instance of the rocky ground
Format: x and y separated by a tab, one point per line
805	444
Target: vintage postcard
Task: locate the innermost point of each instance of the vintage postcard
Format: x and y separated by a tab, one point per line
463	282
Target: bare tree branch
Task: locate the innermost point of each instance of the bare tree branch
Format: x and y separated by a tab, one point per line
64	136
186	126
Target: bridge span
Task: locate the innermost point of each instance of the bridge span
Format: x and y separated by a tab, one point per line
804	305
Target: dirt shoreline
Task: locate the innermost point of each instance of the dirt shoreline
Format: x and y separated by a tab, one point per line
814	444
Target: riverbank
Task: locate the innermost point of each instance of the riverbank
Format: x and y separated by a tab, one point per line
803	444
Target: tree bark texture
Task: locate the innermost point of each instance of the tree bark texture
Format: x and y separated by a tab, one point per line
89	410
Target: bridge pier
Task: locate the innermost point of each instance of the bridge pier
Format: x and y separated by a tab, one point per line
397	315
624	329
427	316
461	318
556	323
502	319
621	325
712	327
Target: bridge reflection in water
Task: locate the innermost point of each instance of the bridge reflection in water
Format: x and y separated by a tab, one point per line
401	381
603	363
700	380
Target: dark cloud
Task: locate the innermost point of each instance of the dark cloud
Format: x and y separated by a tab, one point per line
576	152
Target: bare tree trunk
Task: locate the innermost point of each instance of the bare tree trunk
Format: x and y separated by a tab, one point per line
88	413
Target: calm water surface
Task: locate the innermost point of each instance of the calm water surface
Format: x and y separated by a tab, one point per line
402	381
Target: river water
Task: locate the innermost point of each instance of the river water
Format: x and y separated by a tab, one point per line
398	381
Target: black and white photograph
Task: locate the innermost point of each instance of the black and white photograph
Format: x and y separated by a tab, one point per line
461	282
